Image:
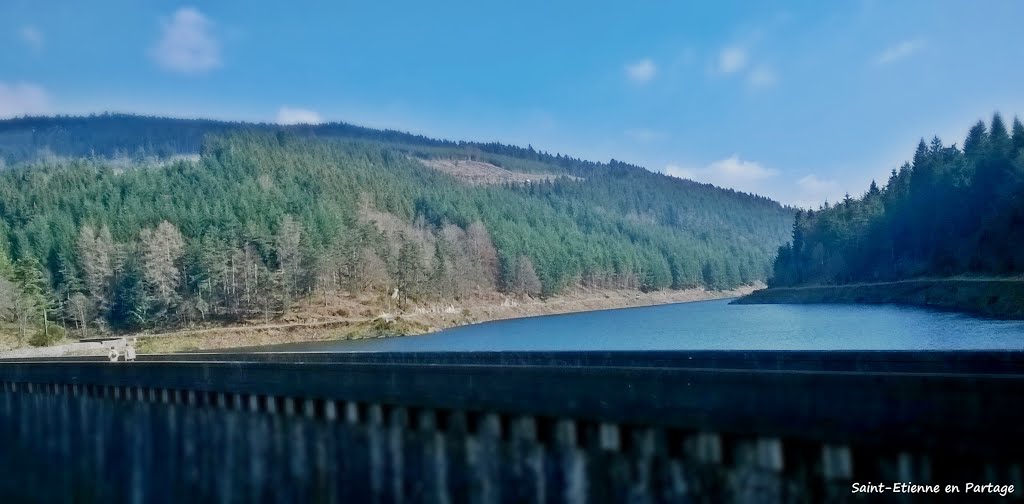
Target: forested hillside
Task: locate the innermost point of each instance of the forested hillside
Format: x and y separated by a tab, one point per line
951	211
140	137
269	216
126	137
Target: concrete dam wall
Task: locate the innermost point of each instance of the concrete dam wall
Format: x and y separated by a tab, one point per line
508	427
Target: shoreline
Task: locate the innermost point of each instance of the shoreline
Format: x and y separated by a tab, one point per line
426	319
997	298
412	321
612	300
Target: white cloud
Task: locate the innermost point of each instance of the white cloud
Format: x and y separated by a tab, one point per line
642	71
813	191
188	44
899	51
23	99
292	115
736	60
763	76
732	59
31	36
731	172
680	172
734	167
810	191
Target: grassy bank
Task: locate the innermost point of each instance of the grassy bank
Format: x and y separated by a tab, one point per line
360	317
418	319
989	297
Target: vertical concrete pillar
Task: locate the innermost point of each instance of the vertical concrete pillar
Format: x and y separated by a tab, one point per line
376	441
395	470
836	462
431	485
457	446
524	463
608	469
484	456
566	467
352	412
755	475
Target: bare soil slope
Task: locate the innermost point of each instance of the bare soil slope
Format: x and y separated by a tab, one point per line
480	173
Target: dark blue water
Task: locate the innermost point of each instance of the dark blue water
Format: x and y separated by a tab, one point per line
715	325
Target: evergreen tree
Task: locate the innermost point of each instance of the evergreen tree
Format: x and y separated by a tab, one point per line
33	305
976	143
999	138
267	215
1018	137
950	212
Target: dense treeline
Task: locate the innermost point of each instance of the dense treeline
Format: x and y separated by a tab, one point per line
136	139
263	219
141	138
951	211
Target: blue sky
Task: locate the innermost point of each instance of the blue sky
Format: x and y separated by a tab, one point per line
801	101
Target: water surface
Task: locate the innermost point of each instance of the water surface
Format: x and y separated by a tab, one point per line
715	325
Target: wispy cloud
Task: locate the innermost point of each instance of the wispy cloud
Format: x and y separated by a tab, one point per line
899	51
188	44
293	115
23	99
763	76
735	60
32	37
813	191
642	71
732	172
732	59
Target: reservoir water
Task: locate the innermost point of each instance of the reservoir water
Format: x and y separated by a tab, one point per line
714	325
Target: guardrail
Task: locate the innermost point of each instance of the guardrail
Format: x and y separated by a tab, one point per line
510	426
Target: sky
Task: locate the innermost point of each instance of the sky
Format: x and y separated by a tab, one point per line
800	101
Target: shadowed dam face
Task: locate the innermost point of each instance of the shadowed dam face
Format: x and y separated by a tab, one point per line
505	427
99	449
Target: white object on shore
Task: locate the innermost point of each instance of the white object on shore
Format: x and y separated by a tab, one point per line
122	343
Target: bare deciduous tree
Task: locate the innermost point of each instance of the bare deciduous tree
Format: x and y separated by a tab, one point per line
289	256
372	271
8	294
486	253
527	282
80	309
162	250
98	256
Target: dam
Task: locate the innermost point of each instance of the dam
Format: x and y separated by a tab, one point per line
648	426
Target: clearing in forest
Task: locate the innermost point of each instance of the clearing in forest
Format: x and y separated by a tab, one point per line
481	173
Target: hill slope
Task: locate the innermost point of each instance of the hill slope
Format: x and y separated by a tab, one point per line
268	215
